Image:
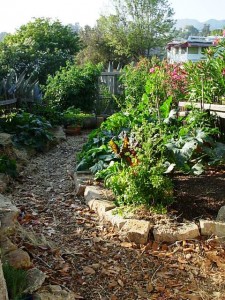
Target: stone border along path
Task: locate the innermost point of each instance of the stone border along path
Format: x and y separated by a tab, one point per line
100	200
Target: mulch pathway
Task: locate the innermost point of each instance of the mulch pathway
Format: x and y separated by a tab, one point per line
67	241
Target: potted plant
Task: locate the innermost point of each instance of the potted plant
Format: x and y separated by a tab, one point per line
72	121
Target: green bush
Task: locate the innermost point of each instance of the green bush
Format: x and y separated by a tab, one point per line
74	86
29	130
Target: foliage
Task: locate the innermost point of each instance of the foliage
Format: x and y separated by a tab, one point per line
50	113
137	27
16	281
74	86
96	153
206	79
94	46
29	130
8	166
41	45
149	141
74	116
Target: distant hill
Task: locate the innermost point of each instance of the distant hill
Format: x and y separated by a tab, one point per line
214	24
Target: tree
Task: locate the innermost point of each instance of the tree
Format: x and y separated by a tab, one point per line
95	48
137	27
187	31
206	30
42	45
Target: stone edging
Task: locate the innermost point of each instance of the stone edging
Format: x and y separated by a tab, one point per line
138	231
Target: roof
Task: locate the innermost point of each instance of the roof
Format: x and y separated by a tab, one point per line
186	44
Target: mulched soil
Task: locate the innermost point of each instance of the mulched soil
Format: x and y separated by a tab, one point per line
199	197
80	253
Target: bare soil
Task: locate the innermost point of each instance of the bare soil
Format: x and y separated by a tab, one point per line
199	197
80	253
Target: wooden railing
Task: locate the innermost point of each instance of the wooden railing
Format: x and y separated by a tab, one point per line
214	109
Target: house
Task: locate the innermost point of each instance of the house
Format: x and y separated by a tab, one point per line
191	49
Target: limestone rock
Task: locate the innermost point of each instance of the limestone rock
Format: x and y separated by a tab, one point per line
18	259
4	180
95	192
136	231
6	246
21	156
114	219
53	292
81	180
212	228
221	215
179	232
58	134
8	216
3	289
5	139
101	206
35	279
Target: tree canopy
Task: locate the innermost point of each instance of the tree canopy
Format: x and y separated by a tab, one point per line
135	28
138	26
42	45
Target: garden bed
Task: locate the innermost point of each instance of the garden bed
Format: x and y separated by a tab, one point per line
199	196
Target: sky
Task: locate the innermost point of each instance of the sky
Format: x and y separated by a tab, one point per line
15	13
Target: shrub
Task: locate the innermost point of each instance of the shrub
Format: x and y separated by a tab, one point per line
74	86
29	130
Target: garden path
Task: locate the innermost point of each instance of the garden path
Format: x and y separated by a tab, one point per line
78	252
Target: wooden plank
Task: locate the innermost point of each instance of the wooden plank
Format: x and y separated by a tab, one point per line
212	107
8	102
110	73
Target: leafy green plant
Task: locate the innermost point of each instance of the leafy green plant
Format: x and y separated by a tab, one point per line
43	110
8	166
16	281
74	86
29	130
74	116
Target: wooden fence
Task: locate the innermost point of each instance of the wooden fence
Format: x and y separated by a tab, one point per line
8	105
